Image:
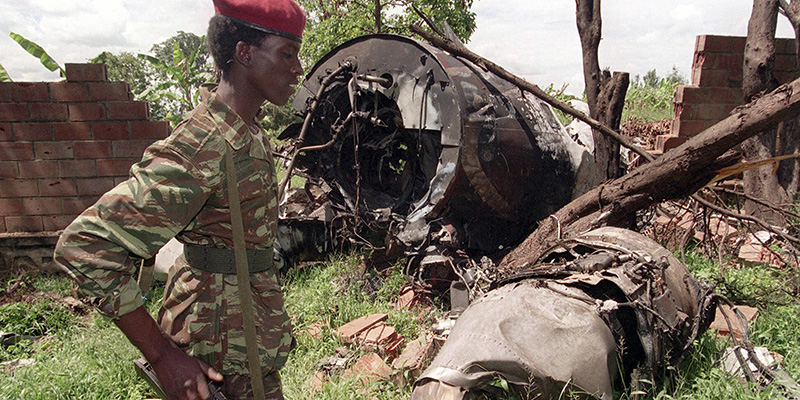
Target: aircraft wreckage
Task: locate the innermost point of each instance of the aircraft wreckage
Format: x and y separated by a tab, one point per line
404	145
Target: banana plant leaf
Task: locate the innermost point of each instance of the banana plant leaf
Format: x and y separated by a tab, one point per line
38	52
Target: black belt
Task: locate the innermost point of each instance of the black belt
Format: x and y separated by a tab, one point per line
222	261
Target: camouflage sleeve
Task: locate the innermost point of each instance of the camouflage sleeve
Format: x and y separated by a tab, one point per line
163	194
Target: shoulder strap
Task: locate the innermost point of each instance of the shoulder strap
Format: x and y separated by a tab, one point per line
243	278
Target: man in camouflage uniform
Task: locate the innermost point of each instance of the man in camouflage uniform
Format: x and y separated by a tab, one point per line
179	190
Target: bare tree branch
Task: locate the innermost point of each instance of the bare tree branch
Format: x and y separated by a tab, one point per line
461	51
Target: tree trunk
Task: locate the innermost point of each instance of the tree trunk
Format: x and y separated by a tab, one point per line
611	101
601	89
377	15
676	174
759	56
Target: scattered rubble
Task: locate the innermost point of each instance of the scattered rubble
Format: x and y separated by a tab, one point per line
721	326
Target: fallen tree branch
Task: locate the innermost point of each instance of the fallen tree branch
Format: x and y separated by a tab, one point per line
756	200
460	51
764	224
678	173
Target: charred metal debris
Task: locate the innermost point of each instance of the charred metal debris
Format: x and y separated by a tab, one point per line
407	149
610	305
404	145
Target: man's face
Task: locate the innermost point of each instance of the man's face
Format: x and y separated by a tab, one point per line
275	68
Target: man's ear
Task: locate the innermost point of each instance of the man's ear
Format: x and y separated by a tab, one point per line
242	53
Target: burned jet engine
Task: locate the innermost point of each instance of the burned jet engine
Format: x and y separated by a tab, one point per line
407	138
589	314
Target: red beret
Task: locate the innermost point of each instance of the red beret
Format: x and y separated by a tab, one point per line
278	17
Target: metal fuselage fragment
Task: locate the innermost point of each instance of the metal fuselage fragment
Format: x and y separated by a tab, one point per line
436	139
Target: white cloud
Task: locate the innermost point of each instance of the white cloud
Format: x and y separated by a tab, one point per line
536	39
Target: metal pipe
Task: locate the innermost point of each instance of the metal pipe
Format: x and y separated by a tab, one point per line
347	65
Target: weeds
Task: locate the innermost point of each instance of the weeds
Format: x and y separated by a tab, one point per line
87	357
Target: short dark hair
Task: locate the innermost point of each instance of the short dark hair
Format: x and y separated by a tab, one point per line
223	34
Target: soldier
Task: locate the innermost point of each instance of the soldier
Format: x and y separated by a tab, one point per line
178	190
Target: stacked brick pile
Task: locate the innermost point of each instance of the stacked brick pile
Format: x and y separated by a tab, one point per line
63	144
716	86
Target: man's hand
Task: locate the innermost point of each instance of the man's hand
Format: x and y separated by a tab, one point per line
182	376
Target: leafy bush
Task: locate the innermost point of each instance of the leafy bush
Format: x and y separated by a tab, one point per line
651	98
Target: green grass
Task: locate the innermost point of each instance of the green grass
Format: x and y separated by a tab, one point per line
776	328
333	294
87	357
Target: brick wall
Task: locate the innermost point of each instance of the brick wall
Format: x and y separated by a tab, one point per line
716	86
63	144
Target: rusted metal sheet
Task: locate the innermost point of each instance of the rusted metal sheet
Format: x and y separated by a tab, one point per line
417	139
581	320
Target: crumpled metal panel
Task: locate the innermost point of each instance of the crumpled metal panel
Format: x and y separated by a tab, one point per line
609	294
437	139
529	334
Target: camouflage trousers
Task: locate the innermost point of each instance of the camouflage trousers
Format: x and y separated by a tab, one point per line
201	313
238	387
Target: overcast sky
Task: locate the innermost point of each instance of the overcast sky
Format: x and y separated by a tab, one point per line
536	39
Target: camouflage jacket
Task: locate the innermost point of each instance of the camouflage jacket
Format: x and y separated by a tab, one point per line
179	189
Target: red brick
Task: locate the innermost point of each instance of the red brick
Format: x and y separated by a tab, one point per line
703	60
129	148
86	72
669	142
349	331
18	188
94	186
113	167
128	110
69	91
691	128
6	134
10	207
710	112
27	92
48	111
4	96
3	225
38	169
41	206
785	46
713	77
729	61
95	149
695	78
72	130
785	62
119	179
33	131
53	223
369	369
53	150
8	170
13	112
77	205
691	94
726	96
786	77
16	151
735	78
57	187
86	112
109	91
732	44
24	224
77	168
111	130
150	129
